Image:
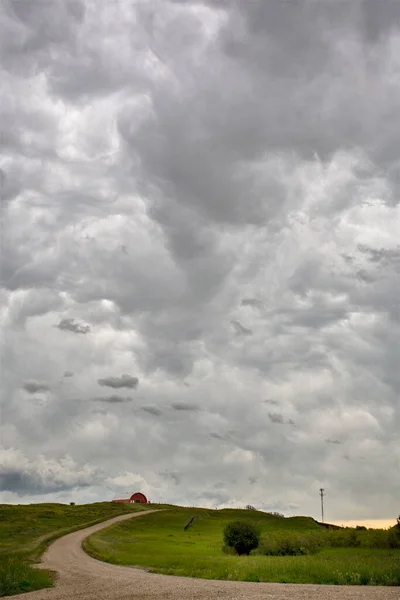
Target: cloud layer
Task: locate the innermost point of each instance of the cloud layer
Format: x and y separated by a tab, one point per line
206	195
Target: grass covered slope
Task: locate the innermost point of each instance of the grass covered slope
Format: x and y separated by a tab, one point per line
27	530
159	542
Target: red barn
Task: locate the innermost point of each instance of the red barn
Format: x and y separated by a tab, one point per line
136	497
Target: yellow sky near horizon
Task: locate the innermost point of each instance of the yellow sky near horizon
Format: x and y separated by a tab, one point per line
370	523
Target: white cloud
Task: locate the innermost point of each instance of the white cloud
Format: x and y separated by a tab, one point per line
209	193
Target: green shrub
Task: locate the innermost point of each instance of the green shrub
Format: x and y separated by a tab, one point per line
394	537
291	544
369	538
243	536
353	539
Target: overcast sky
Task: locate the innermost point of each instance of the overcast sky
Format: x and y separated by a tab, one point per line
201	253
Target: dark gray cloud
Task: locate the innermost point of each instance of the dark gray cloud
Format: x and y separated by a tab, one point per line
125	381
382	256
217	436
279	419
241	329
184	406
276	418
22	476
33	387
152	410
68	374
22	483
71	325
253	302
242	238
376	23
114	399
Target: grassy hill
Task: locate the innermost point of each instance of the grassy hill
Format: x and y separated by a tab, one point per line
27	530
160	543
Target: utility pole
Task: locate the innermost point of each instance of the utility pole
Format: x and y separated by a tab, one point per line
321	493
2	211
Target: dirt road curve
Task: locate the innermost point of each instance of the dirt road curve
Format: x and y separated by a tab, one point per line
84	578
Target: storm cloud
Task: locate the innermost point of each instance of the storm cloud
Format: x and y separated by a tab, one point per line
184	406
253	302
125	381
114	399
22	476
204	196
71	325
152	410
241	329
33	387
276	418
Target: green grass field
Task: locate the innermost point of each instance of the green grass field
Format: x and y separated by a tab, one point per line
159	542
27	530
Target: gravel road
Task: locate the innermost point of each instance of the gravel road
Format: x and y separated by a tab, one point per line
81	577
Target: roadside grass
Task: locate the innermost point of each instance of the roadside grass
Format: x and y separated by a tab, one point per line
159	543
27	530
17	576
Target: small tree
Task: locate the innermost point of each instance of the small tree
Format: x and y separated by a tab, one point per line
394	535
242	536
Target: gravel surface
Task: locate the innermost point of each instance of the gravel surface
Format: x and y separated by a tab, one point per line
81	577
